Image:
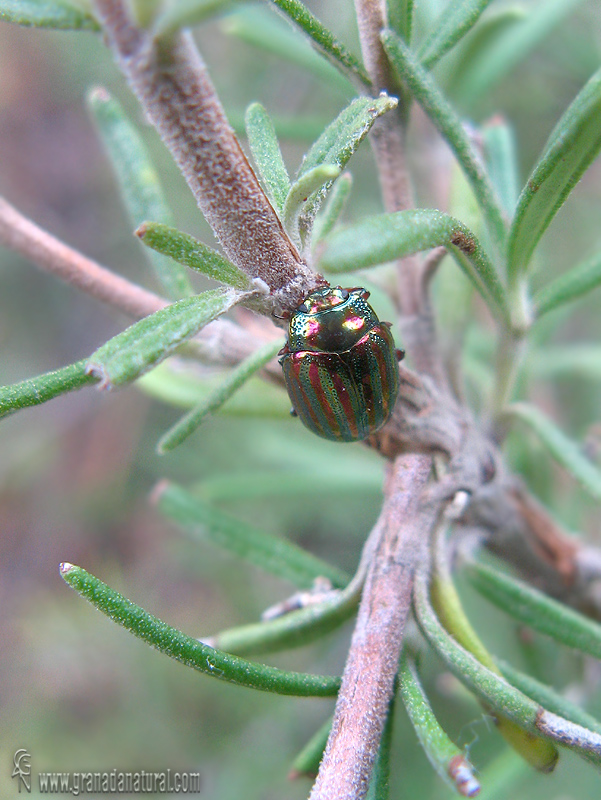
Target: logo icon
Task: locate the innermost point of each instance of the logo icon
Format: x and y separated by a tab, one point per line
22	770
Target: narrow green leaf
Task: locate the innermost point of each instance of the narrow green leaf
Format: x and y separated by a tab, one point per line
138	180
501	161
319	480
333	208
537	751
571	148
38	390
266	152
304	193
189	651
387	237
138	348
446	758
213	402
294	629
535	609
548	697
184	389
494	690
379	784
449	125
323	611
564	450
273	554
260	28
343	136
323	482
570	286
324	40
338	143
506	37
457	18
189	13
307	762
190	252
57	14
453	292
399	17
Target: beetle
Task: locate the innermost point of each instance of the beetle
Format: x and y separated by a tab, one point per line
340	365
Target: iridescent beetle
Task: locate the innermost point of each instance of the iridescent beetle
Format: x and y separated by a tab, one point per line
340	365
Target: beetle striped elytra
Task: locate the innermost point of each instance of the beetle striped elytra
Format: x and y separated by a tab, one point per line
340	365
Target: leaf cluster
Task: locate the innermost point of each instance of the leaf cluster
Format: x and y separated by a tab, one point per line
495	236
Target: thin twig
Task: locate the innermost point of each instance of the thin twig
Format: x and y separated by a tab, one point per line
372	664
388	139
221	342
21	235
173	86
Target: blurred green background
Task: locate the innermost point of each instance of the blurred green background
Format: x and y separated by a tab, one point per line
75	474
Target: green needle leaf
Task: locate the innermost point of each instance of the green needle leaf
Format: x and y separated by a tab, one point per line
189	13
387	237
536	609
139	182
501	161
446	758
237	377
38	390
537	751
504	38
494	690
270	553
379	784
570	150
190	252
564	450
548	698
307	762
333	208
458	17
303	193
294	628
57	14
338	143
323	40
261	28
343	136
266	152
399	14
138	348
185	389
189	651
570	286
449	125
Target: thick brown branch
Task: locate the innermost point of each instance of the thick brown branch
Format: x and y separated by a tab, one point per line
371	667
174	88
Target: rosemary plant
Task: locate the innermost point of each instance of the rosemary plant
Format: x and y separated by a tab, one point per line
456	251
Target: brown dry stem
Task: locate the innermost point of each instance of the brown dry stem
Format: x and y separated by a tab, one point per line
388	139
173	86
403	527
